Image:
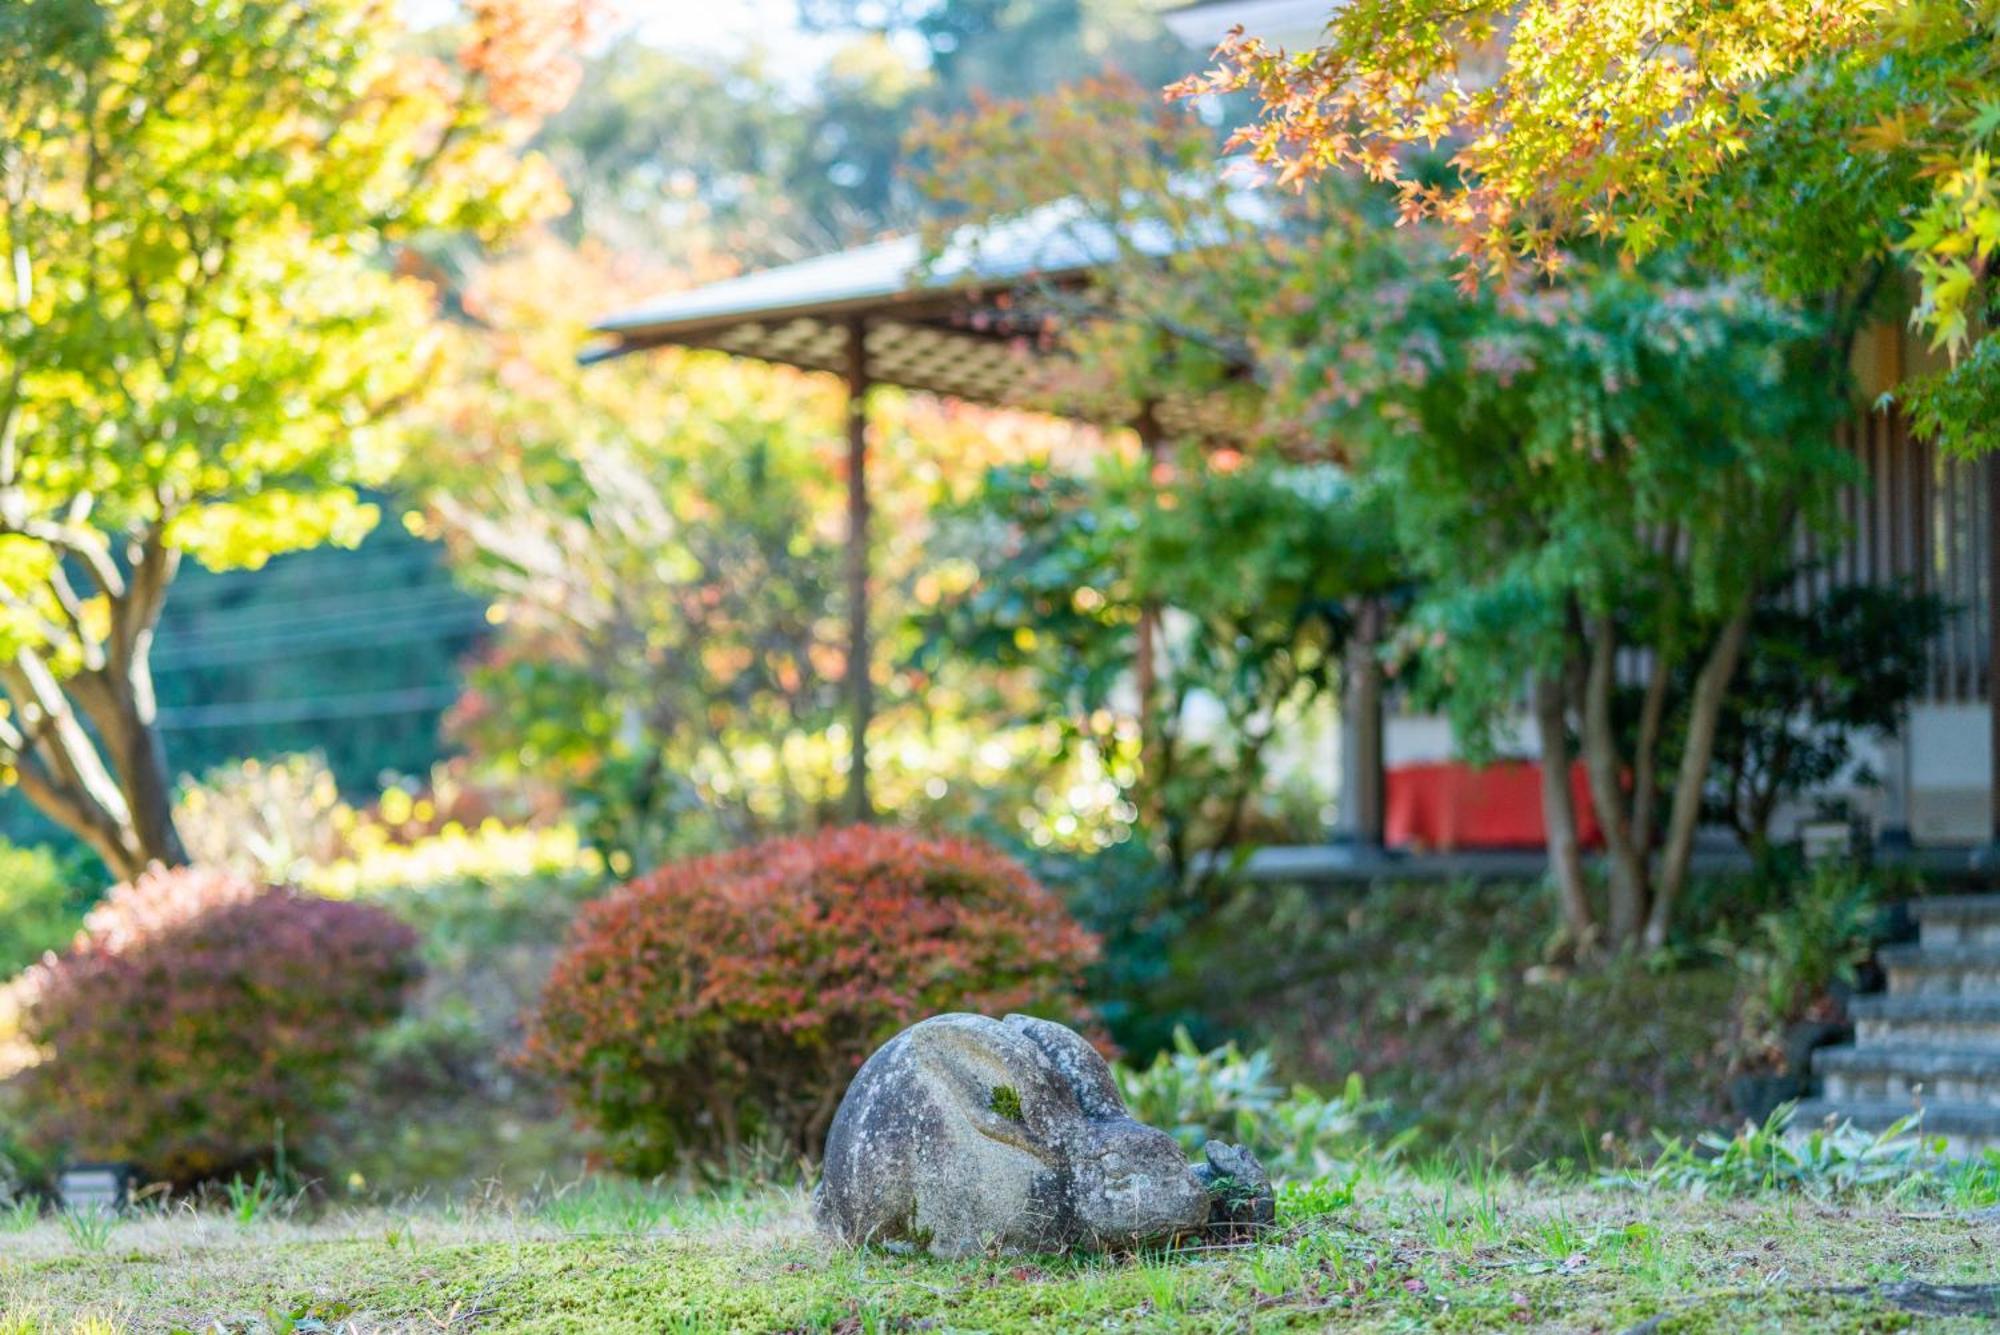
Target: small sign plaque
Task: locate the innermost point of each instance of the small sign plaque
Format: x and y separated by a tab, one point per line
102	1186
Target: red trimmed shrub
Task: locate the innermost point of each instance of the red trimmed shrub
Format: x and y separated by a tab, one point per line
727	1000
199	1009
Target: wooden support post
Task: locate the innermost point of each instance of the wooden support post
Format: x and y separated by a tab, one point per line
860	691
1146	670
1992	467
1360	817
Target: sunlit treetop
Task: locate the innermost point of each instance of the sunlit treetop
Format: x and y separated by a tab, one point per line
211	315
207	316
1812	141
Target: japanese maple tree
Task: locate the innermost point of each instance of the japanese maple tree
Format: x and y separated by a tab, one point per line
1820	145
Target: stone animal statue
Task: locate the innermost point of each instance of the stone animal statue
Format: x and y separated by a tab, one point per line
966	1135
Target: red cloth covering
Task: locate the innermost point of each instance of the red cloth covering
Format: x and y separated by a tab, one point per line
1451	805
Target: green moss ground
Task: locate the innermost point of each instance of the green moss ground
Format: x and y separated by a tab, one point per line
1410	1252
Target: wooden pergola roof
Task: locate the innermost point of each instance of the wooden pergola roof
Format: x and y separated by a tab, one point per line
966	325
959	342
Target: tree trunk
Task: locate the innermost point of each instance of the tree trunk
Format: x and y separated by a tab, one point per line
59	765
86	820
140	761
1758	805
111	790
1601	761
1559	816
120	708
108	783
1646	754
1703	713
1146	649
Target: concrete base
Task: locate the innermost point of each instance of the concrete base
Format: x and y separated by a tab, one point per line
1332	864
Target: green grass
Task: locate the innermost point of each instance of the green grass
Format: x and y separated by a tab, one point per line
1393	1251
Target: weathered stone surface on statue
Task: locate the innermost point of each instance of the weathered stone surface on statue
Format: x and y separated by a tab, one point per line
966	1135
1241	1201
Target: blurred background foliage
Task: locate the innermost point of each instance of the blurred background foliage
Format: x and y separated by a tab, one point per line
616	584
598	632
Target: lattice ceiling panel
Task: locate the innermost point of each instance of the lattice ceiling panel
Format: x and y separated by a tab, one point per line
979	367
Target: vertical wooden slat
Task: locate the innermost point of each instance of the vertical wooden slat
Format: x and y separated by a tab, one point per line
1987	501
1920	507
1871	503
1935	567
1947	577
1895	502
1964	576
1850	515
1951	537
1966	477
860	690
1961	580
1991	511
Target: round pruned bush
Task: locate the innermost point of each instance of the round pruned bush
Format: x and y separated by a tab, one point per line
201	1015
725	1002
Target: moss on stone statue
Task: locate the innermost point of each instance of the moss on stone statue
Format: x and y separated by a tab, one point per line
1006	1101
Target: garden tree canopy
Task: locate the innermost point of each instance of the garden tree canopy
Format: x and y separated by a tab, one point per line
683	159
203	330
663	542
654	542
1068	563
1163	319
1615	462
1811	143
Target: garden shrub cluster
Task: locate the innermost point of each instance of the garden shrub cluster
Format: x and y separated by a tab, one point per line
199	1014
723	1003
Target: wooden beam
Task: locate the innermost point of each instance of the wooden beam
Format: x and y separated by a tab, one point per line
860	691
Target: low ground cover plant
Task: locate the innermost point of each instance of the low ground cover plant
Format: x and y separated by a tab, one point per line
1825	1162
1227	1094
199	1014
723	1003
1795	964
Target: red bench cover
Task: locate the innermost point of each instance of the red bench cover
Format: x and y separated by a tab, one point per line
1451	805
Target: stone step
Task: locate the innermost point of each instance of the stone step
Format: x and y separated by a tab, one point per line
1967	1128
1953	920
1957	1022
1933	970
1901	1074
